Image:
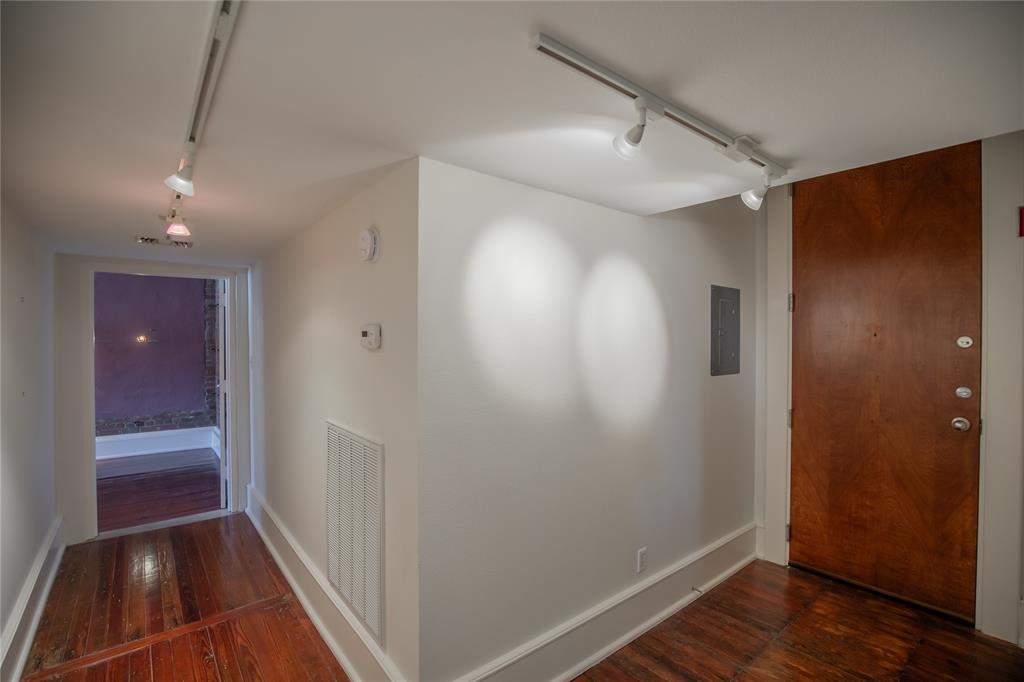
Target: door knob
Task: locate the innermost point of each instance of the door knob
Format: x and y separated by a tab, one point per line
961	424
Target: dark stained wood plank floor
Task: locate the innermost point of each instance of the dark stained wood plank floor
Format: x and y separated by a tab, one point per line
202	601
135	499
769	622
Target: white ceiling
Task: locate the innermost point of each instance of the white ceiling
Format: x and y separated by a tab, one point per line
315	98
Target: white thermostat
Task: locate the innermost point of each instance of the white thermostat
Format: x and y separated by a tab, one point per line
369	244
369	337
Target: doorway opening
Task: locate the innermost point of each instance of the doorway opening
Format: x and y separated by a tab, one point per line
160	373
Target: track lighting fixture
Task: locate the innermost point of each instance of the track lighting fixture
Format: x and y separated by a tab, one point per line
176	227
627	145
739	148
754	196
181	182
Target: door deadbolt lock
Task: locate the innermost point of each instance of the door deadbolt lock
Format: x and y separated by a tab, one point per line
961	424
965	341
964	392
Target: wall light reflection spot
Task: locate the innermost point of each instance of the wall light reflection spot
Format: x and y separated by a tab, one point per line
623	343
521	288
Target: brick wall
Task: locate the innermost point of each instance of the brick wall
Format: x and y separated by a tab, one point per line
166	421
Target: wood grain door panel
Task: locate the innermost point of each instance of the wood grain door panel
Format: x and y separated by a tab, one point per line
886	276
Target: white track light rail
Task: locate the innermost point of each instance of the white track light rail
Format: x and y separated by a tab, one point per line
217	46
736	147
213	61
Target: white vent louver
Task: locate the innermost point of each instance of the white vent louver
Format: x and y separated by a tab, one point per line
355	523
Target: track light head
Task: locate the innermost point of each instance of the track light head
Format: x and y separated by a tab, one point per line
181	182
627	145
176	227
754	197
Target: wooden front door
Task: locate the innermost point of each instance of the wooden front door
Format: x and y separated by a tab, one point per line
886	279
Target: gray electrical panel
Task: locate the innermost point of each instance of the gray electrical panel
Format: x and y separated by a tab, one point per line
725	330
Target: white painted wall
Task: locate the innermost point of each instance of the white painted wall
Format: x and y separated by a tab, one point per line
1002	390
27	509
568	417
316	295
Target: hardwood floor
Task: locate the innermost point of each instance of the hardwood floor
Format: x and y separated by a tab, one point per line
135	499
773	623
203	601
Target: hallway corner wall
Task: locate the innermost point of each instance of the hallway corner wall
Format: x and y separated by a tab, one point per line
316	293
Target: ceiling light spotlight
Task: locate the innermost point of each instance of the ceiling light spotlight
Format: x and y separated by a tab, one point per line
181	182
755	196
175	220
627	145
178	228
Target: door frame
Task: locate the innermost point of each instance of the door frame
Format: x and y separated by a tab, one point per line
998	609
74	381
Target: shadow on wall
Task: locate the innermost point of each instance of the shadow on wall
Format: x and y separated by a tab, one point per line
155	353
544	331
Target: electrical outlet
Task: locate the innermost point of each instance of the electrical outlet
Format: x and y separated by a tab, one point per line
641	560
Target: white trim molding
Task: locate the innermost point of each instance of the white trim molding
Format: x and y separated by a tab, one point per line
153	442
74	380
1000	497
28	609
352	644
590	636
773	401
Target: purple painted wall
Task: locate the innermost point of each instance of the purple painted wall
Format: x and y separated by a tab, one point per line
136	380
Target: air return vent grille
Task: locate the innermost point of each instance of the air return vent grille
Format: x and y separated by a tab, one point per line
355	523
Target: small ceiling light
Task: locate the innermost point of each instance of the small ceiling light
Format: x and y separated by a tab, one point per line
176	226
754	197
627	145
181	182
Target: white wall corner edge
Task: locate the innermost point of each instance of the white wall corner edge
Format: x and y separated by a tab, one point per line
354	647
28	609
579	643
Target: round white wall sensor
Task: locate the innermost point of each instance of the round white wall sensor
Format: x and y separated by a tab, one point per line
369	244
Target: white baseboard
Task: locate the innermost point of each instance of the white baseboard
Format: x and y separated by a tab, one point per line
28	608
575	645
561	653
353	646
152	442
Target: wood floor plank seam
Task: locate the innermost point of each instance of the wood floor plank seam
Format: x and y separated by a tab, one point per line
776	636
198	601
143	642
